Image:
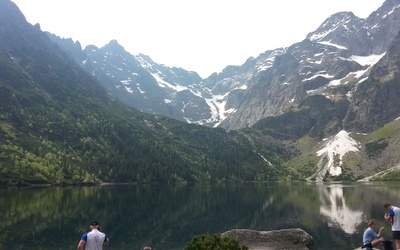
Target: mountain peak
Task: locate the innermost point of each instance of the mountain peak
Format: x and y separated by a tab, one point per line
115	46
331	24
11	16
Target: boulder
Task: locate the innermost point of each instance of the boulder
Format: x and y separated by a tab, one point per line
295	238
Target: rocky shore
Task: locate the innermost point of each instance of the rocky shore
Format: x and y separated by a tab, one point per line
295	238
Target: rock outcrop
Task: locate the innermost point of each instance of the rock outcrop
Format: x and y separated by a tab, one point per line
295	238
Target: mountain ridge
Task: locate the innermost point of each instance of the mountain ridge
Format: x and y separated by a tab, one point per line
229	99
273	114
59	126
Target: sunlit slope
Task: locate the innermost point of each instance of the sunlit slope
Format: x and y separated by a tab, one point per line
59	126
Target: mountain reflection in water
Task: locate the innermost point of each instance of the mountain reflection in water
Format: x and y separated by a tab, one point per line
333	206
167	217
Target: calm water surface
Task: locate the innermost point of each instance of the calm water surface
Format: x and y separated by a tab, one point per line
167	217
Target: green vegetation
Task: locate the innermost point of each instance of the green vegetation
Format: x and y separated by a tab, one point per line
376	147
302	166
110	146
394	176
59	126
377	142
215	242
346	175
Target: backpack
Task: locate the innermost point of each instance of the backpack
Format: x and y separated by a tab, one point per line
388	245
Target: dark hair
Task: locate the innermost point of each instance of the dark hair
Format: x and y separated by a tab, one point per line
386	205
94	223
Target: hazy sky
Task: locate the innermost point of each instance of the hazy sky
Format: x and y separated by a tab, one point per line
199	35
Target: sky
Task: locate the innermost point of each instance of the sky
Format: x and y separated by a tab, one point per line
198	35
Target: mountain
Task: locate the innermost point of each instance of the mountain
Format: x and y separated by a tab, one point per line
174	92
376	102
322	109
140	82
330	61
335	95
59	125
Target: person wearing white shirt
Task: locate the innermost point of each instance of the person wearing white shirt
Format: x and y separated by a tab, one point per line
392	215
93	240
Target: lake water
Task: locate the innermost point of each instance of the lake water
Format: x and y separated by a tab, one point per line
167	217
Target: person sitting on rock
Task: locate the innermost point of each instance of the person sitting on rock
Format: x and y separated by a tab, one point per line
371	238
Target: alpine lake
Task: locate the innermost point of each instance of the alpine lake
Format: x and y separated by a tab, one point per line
169	216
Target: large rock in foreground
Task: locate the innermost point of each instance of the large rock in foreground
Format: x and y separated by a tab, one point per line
295	238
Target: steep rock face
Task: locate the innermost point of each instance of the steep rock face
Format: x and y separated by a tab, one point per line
376	101
229	87
383	25
305	69
317	116
140	82
330	62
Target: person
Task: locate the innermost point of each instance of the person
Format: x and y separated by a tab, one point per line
392	215
371	238
147	248
93	240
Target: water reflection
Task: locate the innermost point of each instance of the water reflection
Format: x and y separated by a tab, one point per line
167	217
333	206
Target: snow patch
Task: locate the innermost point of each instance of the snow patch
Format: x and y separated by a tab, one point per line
333	45
140	90
367	60
129	89
317	75
391	12
335	149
